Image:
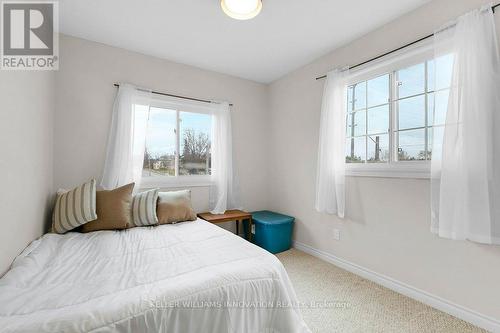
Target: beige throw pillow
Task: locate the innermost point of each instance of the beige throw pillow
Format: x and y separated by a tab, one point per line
113	210
144	208
175	207
74	208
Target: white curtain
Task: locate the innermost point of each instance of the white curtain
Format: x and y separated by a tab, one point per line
127	138
224	192
330	177
466	158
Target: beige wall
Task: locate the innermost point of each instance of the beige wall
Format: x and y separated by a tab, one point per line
387	229
84	100
26	122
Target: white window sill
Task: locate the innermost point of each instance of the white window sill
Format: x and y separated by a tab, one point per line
416	170
175	182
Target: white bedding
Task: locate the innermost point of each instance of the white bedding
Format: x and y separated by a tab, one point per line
187	277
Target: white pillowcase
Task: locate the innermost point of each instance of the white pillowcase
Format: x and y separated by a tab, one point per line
144	208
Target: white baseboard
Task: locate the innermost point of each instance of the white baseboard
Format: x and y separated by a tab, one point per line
473	317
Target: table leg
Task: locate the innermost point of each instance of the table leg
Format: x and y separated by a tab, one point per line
237	227
250	229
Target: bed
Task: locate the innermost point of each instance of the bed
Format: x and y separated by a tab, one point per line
186	277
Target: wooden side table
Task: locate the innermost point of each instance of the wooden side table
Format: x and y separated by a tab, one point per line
230	215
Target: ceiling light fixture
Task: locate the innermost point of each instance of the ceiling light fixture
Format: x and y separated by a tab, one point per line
241	9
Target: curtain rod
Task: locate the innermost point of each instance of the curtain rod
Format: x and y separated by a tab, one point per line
178	96
396	50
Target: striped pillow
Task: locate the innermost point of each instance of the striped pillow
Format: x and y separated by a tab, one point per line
74	208
144	208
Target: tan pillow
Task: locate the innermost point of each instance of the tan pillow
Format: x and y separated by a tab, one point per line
113	210
175	207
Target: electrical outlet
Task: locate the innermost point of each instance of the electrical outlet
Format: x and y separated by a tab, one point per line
336	234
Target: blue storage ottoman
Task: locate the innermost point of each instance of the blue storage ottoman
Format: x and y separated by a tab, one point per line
273	231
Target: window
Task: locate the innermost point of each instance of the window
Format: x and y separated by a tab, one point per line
368	121
178	145
391	118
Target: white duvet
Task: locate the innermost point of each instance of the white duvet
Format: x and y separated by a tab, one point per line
187	277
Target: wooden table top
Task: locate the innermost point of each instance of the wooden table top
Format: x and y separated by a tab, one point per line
229	215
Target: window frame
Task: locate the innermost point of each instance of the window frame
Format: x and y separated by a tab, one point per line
178	181
394	168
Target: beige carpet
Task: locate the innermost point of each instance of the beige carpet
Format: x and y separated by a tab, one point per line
335	300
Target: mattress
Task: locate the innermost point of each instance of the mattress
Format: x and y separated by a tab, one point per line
186	277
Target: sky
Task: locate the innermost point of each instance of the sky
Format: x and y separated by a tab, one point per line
161	129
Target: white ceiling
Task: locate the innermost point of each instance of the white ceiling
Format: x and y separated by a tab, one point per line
285	36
